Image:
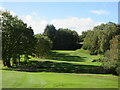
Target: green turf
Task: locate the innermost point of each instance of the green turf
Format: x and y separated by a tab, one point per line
17	79
74	69
79	56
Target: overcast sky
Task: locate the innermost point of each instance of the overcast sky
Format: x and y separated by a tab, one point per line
79	16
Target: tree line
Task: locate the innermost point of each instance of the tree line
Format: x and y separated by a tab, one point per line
63	39
104	39
18	40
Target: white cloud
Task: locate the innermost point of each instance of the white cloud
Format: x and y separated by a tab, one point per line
12	13
1	8
38	22
99	12
74	23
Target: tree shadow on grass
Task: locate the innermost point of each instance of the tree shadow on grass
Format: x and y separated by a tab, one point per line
65	57
48	66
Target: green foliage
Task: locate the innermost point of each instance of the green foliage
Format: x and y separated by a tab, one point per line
84	33
50	31
16	38
62	38
112	60
43	45
66	39
98	39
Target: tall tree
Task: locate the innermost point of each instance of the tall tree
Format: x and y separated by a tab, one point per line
83	35
17	38
50	31
112	56
66	39
97	40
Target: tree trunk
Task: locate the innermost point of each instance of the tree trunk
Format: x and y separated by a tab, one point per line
4	63
19	61
8	62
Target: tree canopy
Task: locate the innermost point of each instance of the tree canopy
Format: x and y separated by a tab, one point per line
62	38
43	45
112	56
66	39
98	39
17	38
50	31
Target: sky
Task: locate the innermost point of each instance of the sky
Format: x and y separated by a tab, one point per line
78	16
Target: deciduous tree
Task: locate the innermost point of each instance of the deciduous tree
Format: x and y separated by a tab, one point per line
17	38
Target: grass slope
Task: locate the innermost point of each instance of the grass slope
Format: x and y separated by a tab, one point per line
67	63
80	56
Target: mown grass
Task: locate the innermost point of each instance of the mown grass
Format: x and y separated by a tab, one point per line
62	61
15	79
62	69
79	56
